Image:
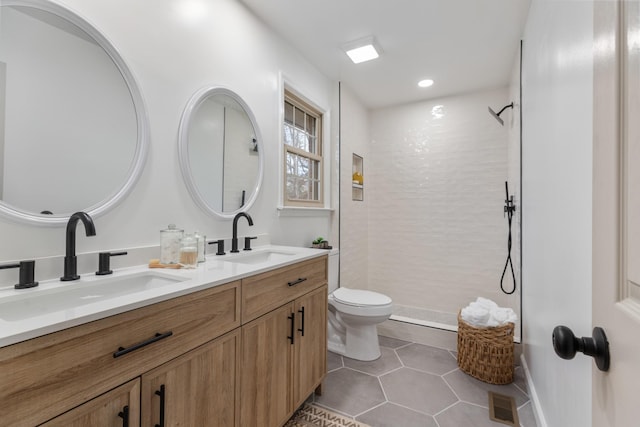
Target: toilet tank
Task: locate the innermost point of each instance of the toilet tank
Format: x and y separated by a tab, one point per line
333	269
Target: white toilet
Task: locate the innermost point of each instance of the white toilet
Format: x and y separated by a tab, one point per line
353	317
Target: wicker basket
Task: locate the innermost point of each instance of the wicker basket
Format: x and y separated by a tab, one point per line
486	353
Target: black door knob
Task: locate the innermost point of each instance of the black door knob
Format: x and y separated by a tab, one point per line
567	345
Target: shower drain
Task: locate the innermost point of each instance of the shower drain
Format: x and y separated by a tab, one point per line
502	409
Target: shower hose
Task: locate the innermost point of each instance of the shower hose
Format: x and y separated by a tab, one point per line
509	208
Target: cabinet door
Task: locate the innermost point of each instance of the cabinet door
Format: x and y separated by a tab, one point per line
266	368
310	358
116	408
195	389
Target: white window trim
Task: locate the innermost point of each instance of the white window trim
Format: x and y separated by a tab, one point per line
326	209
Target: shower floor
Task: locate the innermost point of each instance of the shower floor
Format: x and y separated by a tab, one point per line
425	317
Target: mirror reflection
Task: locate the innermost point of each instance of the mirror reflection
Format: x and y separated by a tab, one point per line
71	132
220	152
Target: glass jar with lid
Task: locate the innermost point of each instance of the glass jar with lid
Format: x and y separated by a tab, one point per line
170	244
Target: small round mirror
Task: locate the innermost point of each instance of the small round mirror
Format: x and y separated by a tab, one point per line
220	152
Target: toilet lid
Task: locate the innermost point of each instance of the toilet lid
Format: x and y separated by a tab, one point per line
360	297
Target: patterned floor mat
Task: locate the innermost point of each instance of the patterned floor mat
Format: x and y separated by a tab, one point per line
313	416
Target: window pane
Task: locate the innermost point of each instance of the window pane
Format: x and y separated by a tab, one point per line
311	125
298	189
312	145
288	135
303	167
299	118
302	140
291	164
288	112
291	188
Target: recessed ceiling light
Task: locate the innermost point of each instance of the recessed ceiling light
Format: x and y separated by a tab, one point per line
362	50
425	83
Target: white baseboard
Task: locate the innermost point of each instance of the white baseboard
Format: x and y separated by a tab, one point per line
533	395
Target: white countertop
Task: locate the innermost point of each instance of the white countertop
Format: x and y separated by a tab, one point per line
217	270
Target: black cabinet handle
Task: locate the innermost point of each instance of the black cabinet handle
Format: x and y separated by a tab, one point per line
293	326
124	414
295	282
157	337
161	394
301	311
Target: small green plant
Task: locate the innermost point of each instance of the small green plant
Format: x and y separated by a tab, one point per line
318	240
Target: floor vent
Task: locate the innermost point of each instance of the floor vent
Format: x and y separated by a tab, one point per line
502	409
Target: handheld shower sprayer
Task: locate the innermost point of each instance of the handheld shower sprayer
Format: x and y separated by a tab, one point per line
497	115
509	209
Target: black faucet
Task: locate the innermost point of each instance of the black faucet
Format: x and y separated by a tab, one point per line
234	240
70	260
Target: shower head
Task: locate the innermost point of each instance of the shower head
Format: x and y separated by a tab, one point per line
497	115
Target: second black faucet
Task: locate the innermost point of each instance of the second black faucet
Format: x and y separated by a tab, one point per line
70	260
234	240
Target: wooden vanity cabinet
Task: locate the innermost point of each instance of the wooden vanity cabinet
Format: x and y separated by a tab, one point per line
196	389
181	362
47	376
116	408
310	349
284	351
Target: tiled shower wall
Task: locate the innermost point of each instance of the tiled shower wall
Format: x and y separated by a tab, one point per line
434	180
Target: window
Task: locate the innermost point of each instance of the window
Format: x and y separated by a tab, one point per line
302	134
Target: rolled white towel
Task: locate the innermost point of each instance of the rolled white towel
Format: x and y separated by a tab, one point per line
485	303
475	316
501	316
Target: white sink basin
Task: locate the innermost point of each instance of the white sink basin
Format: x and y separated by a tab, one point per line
40	301
260	257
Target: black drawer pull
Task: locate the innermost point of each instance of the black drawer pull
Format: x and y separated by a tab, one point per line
162	395
124	414
293	326
158	336
295	282
301	329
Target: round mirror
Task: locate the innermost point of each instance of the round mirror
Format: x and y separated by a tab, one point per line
73	127
220	152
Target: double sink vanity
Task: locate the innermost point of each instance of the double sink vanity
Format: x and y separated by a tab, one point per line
239	341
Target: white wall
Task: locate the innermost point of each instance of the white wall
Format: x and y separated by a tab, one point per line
173	54
557	105
437	233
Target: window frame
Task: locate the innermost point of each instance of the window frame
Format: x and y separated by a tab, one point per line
319	157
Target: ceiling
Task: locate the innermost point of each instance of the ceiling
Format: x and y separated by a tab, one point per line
463	45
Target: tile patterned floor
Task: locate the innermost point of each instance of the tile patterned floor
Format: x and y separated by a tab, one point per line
414	385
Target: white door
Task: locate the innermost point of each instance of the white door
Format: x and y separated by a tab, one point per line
616	210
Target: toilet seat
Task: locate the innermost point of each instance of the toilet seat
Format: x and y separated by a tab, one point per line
357	302
360	298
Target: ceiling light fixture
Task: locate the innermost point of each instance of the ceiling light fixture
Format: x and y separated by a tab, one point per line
425	83
362	50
